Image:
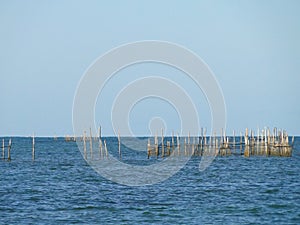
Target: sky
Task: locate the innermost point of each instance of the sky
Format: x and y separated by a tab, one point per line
252	47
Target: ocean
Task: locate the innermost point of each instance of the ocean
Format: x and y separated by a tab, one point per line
59	187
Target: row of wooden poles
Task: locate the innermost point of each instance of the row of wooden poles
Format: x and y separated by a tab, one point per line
102	148
9	148
263	143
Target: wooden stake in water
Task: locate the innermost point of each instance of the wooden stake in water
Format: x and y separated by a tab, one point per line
3	149
234	141
201	143
100	149
185	146
106	152
84	145
119	142
168	147
205	137
91	144
246	137
149	149
178	144
99	132
33	148
156	145
173	145
162	143
8	150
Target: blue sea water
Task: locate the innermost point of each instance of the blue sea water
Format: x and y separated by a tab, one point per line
59	187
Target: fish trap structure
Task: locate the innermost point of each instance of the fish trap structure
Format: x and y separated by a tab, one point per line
264	143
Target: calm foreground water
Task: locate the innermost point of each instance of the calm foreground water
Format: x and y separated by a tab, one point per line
59	187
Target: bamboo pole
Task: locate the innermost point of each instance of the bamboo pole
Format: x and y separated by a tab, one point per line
148	149
173	144
246	137
185	146
205	137
162	143
178	144
100	149
105	147
193	146
3	149
99	132
156	145
215	134
84	145
33	148
268	136
119	142
246	151
241	141
201	144
217	146
8	150
91	144
234	141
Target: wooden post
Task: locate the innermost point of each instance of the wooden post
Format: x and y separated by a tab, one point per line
224	138
234	141
205	137
217	146
106	152
269	138
246	137
33	148
178	144
193	146
201	144
91	144
241	142
246	151
168	147
265	130
185	146
173	144
156	145
8	150
119	141
149	149
100	149
162	143
84	145
99	132
3	149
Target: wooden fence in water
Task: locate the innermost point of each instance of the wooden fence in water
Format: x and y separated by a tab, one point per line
263	143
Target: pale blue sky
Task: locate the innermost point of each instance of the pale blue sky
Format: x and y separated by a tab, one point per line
252	47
